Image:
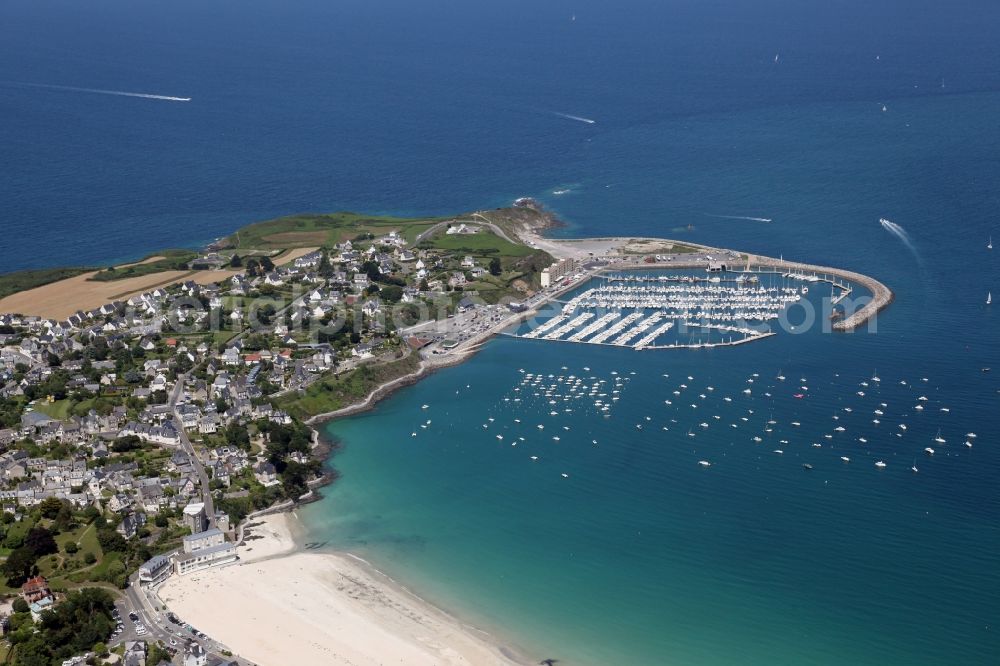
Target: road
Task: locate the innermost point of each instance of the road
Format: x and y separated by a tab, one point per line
159	628
206	492
481	219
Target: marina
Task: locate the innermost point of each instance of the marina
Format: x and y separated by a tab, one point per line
654	310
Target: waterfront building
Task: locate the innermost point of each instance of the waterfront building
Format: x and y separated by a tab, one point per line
154	571
557	271
203	550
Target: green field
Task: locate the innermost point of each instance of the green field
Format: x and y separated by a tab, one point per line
173	260
316	230
11	283
484	244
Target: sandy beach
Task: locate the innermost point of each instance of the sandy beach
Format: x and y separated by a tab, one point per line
281	606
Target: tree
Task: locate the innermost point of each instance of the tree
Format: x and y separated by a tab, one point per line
18	565
237	435
157	654
40	541
126	444
392	294
495	267
71	547
236	261
111	541
49	507
79	623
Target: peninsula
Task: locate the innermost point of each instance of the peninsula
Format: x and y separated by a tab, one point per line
153	414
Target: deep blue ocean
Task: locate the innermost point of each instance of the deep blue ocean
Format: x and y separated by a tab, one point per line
821	116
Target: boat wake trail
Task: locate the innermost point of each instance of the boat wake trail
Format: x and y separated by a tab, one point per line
579	119
900	233
100	91
740	217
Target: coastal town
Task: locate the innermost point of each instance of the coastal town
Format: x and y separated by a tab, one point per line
141	438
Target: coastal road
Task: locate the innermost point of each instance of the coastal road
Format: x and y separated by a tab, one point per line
137	600
206	492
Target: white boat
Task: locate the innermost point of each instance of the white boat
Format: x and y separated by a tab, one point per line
939	439
989	243
778	451
970	435
968	444
902	426
928	450
845	458
880	464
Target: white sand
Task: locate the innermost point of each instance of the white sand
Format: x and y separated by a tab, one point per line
279	606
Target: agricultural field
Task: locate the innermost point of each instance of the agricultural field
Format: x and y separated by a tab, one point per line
314	230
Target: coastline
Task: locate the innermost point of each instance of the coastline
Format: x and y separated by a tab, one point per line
321	607
333	607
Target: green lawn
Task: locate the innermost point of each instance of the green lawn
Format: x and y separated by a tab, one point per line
57	410
173	260
333	393
483	245
63	409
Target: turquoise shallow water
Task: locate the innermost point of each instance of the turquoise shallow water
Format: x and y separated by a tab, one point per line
641	554
644	556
